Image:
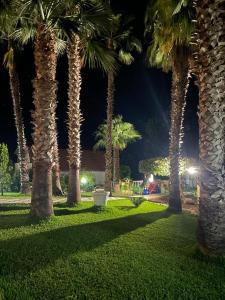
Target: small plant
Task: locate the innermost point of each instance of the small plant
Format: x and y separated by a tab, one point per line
137	201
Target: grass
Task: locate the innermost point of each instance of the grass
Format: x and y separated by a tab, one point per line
120	252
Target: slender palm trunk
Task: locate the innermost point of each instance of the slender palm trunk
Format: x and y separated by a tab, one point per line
23	153
45	87
211	77
109	142
180	83
74	123
56	184
116	164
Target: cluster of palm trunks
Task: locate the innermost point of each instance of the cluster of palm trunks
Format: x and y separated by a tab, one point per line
204	57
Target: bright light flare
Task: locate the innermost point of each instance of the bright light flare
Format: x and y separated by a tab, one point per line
151	178
192	170
83	180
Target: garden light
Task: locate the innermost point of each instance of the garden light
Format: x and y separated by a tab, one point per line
151	178
192	170
83	180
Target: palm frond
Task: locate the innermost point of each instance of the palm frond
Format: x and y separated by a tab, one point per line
96	55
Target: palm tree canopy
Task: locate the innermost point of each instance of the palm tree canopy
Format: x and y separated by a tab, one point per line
122	39
169	26
123	133
89	19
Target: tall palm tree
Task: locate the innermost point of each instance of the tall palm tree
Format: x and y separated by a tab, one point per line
42	19
123	133
210	60
171	27
8	25
23	152
92	18
123	42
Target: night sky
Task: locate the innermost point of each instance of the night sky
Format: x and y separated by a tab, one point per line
142	94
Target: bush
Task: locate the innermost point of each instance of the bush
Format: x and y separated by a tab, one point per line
15	180
87	185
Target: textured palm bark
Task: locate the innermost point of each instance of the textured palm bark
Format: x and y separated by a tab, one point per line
116	165
180	82
56	184
23	153
210	58
45	87
109	141
74	122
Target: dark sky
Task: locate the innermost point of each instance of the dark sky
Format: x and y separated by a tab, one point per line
141	93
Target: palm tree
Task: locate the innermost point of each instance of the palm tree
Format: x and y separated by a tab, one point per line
8	25
83	47
23	152
210	60
123	133
42	20
171	27
123	42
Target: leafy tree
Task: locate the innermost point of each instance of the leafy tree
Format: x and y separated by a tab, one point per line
122	41
123	133
4	168
160	166
170	25
125	171
209	58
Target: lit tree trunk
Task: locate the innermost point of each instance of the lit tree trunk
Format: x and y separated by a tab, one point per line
211	62
109	142
45	87
56	184
180	83
23	153
74	123
116	163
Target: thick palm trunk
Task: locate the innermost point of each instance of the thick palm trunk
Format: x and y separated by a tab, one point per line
56	184
211	75
180	82
45	86
109	142
23	153
116	164
74	122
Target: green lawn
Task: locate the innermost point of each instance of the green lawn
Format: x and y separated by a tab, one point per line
121	252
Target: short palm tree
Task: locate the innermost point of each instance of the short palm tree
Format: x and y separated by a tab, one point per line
210	61
92	18
123	133
8	26
171	27
122	41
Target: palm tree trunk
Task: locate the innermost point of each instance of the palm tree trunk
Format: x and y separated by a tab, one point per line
56	184
23	153
45	87
180	83
116	161
211	62
109	142
74	123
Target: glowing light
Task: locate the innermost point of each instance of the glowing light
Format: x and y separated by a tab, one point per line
192	170
151	178
83	180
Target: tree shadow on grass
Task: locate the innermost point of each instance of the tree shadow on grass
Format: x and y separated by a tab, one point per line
66	211
29	253
13	207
